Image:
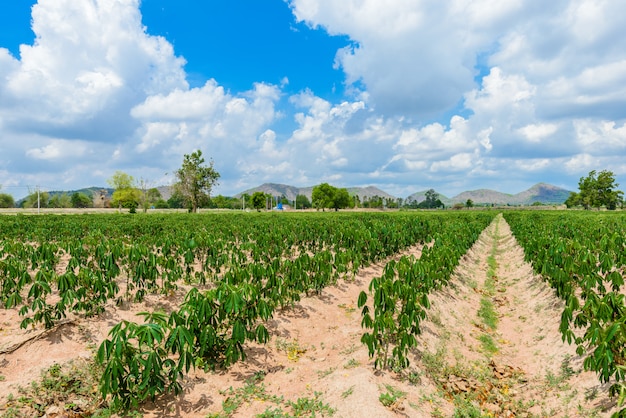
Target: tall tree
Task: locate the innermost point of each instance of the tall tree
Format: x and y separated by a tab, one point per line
258	200
302	202
60	200
81	200
149	196
596	190
126	193
6	201
322	196
36	199
195	180
330	197
431	201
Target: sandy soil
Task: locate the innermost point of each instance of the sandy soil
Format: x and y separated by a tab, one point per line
518	368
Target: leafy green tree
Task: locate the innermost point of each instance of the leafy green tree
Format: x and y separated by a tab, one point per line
161	204
322	196
573	200
6	201
195	180
176	201
258	200
469	203
431	201
60	200
81	200
302	202
325	196
342	199
36	199
391	203
149	197
126	193
373	202
596	190
222	202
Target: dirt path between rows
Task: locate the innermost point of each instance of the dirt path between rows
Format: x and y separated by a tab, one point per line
490	347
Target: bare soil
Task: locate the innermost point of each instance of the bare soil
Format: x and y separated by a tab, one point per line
517	367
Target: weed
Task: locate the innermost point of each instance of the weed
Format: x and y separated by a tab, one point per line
465	409
309	407
293	349
434	364
273	413
250	391
488	344
415	378
323	373
76	380
556	381
254	390
487	313
349	350
391	397
347	392
351	364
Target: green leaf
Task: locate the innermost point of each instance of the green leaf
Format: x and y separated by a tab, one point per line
362	299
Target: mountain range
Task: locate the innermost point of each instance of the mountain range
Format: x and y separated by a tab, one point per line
541	192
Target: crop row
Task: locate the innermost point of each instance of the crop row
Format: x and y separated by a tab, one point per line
46	276
400	294
583	257
248	264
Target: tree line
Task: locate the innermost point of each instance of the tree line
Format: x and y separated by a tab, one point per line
195	180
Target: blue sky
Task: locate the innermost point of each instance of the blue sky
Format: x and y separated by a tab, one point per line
402	95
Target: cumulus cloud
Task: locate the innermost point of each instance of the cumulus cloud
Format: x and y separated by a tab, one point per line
91	62
551	69
451	95
58	149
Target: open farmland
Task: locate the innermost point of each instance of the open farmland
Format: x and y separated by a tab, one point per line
343	314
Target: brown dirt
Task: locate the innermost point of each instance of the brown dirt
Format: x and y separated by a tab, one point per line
315	351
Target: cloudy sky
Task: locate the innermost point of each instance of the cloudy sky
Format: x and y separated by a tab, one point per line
404	95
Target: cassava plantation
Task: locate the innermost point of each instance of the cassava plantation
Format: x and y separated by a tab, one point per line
409	313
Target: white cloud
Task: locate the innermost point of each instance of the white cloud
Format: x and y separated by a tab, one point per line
96	92
501	95
601	137
90	60
537	132
58	149
581	162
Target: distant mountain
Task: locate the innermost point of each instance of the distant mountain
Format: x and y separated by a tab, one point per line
166	192
544	193
369	192
540	192
275	189
483	196
89	191
290	192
